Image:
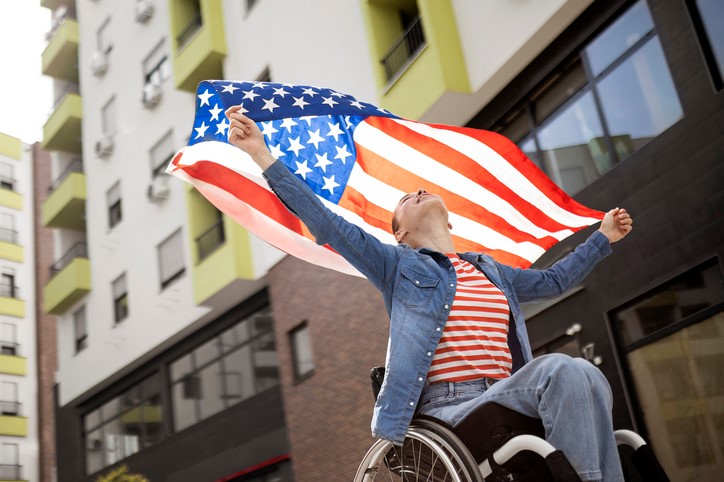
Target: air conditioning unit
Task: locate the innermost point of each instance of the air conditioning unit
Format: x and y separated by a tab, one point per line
151	95
104	147
99	64
144	10
158	190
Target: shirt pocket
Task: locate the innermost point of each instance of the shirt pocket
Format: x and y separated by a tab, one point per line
413	289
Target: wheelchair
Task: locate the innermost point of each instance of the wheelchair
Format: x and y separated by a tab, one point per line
493	444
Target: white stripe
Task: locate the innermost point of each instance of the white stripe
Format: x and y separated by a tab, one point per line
450	364
410	159
476	332
478	324
385	196
497	344
501	169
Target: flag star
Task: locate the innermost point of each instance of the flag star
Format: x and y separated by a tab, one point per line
259	85
288	123
280	92
268	129
201	130
222	126
205	98
334	130
336	94
276	151
384	111
329	101
300	102
310	92
315	138
302	169
357	104
322	162
329	184
269	105
250	94
242	110
308	119
215	112
295	145
342	153
230	88
348	120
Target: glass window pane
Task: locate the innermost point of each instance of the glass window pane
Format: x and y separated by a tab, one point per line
558	91
108	117
302	351
211	399
711	13
170	257
92	420
181	367
207	352
619	37
529	148
121	439
518	127
573	147
94	451
111	409
639	100
679	381
184	406
239	366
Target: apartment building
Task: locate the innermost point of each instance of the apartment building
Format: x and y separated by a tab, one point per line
191	351
18	367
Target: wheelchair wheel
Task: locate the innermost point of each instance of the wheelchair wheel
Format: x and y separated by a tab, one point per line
430	452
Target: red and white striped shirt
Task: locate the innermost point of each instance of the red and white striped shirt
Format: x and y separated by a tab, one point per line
474	343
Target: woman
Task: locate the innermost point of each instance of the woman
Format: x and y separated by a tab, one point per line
457	334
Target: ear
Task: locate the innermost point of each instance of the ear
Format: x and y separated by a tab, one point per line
399	235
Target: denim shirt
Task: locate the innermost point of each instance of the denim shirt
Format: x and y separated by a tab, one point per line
418	287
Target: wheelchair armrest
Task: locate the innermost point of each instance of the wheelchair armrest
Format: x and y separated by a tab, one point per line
377	376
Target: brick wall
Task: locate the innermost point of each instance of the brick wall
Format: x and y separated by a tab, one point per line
328	414
46	324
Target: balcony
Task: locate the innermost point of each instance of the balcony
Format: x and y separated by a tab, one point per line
13	364
60	57
9	247
52	5
10	302
8	196
65	205
11	473
12	425
422	63
62	131
200	45
11	147
70	280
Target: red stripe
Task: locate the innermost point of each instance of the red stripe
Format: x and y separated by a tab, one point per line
519	161
457	161
255	468
470	348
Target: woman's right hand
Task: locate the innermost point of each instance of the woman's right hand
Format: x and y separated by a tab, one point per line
246	135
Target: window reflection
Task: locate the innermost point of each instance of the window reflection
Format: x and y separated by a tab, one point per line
619	37
572	146
639	99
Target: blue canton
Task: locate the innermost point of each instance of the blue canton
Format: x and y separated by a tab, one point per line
310	129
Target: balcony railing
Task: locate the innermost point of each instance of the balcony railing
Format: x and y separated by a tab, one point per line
9	290
8	235
9	348
11	472
69	89
75	166
210	239
411	42
9	408
189	31
79	250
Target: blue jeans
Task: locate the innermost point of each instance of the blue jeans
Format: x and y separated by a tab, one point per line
570	396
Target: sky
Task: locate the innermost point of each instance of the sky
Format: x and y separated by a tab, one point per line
26	96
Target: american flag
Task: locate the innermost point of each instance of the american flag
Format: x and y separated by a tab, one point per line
360	160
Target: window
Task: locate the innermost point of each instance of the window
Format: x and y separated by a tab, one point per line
171	259
113	197
598	109
225	370
250	4
108	117
8	340
708	19
103	37
10	468
122	426
671	341
80	330
120	299
9	404
213	237
161	154
8	234
410	41
157	66
7	283
301	351
7	176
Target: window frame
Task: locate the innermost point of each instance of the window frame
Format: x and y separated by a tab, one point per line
178	273
294	333
114	203
121	309
80	336
716	72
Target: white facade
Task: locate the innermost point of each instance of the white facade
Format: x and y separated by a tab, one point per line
18	394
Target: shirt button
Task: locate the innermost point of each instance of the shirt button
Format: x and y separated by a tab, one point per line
447	306
412	404
429	353
452	285
417	282
437	329
419	379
